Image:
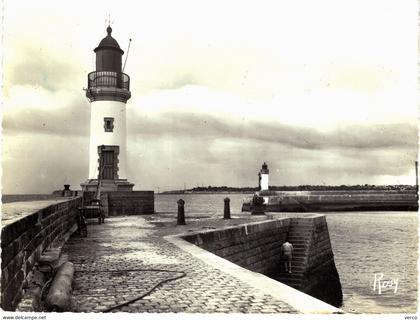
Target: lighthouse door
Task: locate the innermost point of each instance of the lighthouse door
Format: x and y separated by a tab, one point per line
108	164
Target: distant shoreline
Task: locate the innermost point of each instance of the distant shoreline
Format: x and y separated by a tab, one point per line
206	192
251	190
245	190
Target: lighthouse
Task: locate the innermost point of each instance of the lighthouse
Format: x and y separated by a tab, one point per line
263	177
108	91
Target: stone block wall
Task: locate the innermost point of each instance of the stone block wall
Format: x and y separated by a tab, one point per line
321	278
6	198
328	200
255	246
130	202
23	241
120	203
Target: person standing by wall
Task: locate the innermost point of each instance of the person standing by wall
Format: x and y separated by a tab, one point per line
287	253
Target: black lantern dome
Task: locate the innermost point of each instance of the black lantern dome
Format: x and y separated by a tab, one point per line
264	168
108	82
108	54
109	42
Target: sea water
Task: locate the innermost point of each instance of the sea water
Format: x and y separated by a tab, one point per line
366	246
376	245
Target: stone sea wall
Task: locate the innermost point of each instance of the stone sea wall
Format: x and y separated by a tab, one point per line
319	275
257	247
23	242
323	201
6	198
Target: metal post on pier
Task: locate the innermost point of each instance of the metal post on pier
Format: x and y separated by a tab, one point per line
181	212
226	211
417	178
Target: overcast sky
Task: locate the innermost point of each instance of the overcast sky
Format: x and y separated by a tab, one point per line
323	91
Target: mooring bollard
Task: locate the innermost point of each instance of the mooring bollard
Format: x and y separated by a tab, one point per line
226	212
181	212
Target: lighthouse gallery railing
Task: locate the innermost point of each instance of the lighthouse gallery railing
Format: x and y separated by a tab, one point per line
113	79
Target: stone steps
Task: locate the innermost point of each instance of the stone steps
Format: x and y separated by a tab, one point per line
301	241
298	269
298	262
299	265
297	249
300	233
302	224
302	238
298	239
299	236
300	229
299	252
297	245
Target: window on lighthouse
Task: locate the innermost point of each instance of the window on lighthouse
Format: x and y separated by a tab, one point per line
109	124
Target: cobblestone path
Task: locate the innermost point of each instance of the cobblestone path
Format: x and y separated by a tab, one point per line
127	256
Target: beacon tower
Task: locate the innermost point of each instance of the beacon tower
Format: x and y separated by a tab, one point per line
263	177
108	91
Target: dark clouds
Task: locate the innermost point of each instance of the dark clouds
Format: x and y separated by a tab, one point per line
42	162
34	163
169	162
201	149
38	67
174	148
71	118
45	148
401	136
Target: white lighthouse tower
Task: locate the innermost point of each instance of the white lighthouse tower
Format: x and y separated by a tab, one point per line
263	177
108	92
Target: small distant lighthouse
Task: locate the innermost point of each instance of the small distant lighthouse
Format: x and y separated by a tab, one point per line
108	92
263	177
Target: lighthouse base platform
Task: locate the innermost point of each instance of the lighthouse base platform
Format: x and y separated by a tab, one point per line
107	185
123	203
